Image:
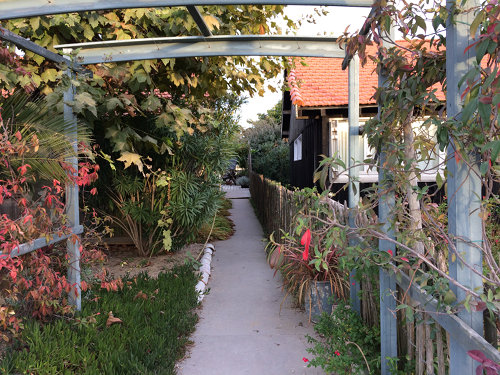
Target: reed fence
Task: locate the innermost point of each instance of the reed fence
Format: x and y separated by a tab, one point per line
276	207
273	202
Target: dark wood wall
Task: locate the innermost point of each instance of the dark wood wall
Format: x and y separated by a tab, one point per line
302	171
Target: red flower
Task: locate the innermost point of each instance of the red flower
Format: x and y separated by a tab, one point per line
306	241
405	259
305	359
337	353
390	252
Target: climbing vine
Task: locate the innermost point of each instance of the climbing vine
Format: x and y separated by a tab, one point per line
417	139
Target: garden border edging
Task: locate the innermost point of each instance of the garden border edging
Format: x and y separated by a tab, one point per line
204	270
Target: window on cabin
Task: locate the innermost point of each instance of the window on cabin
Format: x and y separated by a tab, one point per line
297	148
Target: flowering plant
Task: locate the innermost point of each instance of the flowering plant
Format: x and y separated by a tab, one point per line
310	253
344	344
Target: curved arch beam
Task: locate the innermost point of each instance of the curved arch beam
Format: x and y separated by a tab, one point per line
236	45
10	9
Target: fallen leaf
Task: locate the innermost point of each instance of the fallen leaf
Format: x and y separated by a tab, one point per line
112	319
141	294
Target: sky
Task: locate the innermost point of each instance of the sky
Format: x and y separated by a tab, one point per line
332	24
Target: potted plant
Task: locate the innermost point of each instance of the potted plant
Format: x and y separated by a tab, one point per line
308	259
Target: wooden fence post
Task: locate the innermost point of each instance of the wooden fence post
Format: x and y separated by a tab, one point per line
72	204
464	185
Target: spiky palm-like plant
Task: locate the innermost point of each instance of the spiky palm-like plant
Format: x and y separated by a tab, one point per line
32	118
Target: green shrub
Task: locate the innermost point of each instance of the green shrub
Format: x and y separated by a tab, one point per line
140	206
157	317
343	337
243	181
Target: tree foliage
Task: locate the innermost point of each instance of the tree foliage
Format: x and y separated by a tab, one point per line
270	153
416	71
168	90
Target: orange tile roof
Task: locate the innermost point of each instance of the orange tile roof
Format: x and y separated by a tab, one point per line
323	83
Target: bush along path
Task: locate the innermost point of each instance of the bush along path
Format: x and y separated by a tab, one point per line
141	329
242	329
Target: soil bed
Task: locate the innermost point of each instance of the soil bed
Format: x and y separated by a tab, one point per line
122	260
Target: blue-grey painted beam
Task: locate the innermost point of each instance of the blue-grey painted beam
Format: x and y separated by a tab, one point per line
72	203
354	156
10	9
195	46
28	247
198	18
388	320
459	331
464	186
25	44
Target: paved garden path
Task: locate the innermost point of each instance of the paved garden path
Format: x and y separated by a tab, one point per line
241	329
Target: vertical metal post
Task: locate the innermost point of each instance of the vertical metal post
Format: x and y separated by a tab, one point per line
388	320
72	204
464	185
354	156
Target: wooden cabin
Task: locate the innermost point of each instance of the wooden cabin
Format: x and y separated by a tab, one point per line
315	118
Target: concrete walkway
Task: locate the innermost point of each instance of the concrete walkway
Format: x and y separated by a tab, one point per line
241	329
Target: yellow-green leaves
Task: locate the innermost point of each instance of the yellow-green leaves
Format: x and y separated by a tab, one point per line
211	21
129	158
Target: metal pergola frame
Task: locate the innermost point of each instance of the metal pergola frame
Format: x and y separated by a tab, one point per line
463	223
10	9
197	46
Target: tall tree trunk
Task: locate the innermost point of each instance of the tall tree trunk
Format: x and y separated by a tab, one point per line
412	195
415	218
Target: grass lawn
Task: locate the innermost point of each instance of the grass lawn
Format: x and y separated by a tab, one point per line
157	318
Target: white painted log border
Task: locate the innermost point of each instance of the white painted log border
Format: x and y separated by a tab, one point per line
204	270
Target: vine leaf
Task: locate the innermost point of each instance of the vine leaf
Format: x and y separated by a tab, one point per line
129	158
